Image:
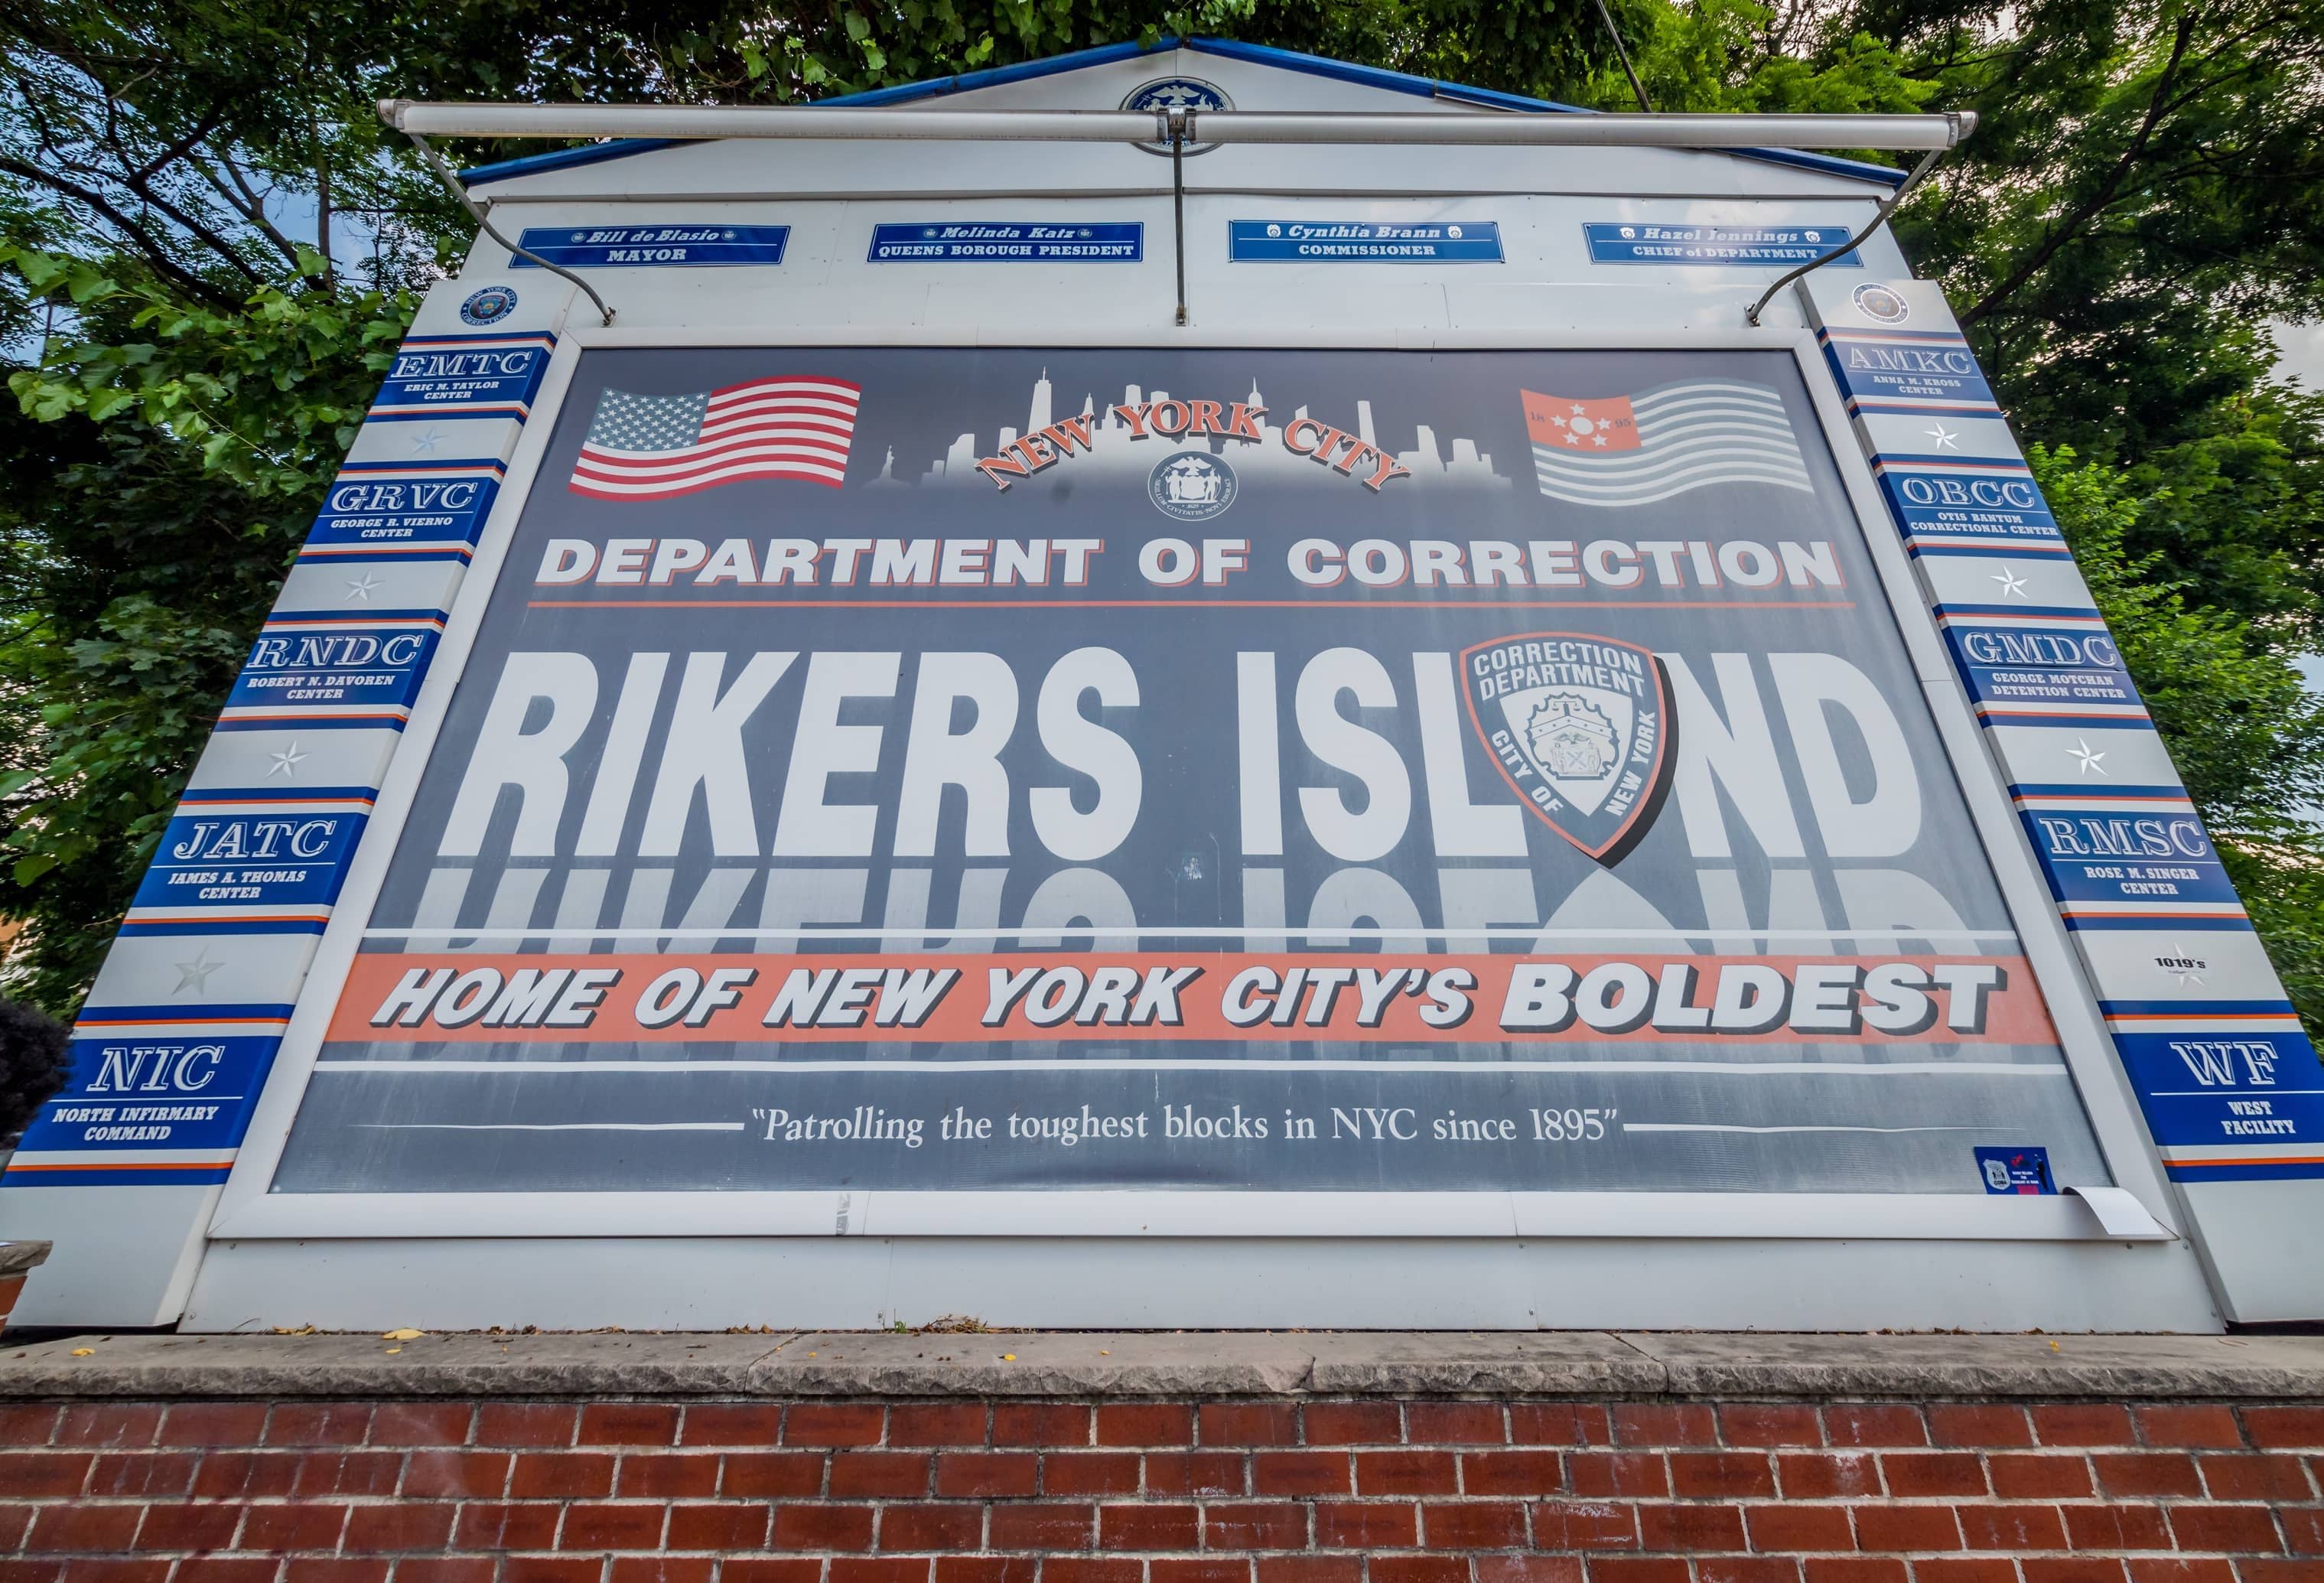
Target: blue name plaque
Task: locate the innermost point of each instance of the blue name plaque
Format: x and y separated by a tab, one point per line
664	246
1009	242
1363	242
1716	247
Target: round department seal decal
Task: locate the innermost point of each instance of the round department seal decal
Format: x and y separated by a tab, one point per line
1883	303
1193	485
1178	93
488	305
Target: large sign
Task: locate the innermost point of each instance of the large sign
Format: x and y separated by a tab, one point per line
973	769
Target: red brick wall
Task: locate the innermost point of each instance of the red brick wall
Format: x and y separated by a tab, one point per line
1217	1492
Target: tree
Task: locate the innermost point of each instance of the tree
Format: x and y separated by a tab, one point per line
1737	56
33	1066
167	465
2146	188
2246	735
175	141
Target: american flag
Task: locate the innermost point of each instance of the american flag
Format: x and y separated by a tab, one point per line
653	447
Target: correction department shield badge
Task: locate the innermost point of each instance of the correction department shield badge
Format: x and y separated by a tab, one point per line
1580	726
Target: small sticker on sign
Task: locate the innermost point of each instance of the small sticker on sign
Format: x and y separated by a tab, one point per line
2015	1170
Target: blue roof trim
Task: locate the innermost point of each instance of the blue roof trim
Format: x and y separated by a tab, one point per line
1494	98
1377	77
1826	164
1402	82
995	76
565	159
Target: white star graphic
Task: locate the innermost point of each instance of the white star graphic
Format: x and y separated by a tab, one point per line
1942	436
2013	587
287	761
359	588
1577	409
427	439
1572	438
2083	756
196	974
1597	439
2186	974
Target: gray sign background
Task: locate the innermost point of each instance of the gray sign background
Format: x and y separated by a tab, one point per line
1793	1115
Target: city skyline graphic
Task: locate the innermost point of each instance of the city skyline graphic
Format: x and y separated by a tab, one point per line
1114	448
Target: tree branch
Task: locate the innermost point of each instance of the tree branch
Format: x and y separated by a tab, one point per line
247	203
217	243
156	252
2067	229
178	150
138	180
322	196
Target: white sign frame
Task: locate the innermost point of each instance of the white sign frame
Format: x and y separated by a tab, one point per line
248	1209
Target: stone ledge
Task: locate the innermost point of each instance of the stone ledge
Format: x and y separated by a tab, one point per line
1051	1363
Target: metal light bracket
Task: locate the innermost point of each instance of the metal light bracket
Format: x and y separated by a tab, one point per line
1887	206
452	185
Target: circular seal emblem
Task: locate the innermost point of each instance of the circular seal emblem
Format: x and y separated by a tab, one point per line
1881	303
1191	485
1178	93
488	305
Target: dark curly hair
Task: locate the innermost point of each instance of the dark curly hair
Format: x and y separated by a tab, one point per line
33	1066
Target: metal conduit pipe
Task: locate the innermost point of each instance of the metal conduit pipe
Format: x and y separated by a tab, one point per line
1484	129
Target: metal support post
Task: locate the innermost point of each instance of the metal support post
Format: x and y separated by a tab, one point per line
1179	121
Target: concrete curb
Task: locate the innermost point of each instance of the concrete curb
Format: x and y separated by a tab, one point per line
1573	1363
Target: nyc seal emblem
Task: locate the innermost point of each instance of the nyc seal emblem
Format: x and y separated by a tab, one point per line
1191	485
1580	727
